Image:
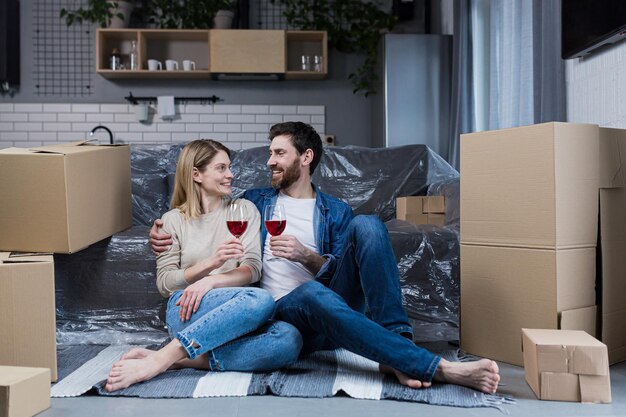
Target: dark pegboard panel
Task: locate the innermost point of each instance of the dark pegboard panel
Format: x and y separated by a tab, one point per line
63	56
267	14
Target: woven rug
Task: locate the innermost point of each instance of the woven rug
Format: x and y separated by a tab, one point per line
322	374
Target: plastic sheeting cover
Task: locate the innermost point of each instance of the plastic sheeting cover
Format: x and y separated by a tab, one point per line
368	179
107	292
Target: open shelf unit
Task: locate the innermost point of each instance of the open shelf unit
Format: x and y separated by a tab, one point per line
214	52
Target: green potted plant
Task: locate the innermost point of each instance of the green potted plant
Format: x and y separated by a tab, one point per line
107	13
184	14
353	26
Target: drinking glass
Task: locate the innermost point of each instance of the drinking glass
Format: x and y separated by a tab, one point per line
237	220
275	221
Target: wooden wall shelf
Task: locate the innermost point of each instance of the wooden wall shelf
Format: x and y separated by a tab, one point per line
215	52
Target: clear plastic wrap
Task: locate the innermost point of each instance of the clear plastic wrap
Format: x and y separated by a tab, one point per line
428	263
368	179
107	293
450	189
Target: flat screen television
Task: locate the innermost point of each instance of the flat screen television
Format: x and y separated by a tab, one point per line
587	25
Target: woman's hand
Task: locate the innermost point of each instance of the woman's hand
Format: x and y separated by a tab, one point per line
189	302
231	249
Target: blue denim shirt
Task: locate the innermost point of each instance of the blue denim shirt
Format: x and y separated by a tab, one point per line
330	223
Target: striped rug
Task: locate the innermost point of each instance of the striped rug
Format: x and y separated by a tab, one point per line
322	374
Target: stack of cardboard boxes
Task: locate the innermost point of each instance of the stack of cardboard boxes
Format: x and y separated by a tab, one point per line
421	210
531	198
53	199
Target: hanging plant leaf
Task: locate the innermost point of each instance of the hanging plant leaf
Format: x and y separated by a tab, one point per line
353	26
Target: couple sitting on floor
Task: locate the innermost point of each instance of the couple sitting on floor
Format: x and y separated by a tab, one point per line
317	278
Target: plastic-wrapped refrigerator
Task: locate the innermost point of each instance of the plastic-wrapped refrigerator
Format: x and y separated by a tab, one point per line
413	101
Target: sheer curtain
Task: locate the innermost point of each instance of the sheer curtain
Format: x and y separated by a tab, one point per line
507	67
525	76
462	118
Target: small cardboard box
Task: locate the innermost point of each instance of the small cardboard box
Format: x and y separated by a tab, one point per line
566	365
421	209
63	198
27	311
506	289
24	392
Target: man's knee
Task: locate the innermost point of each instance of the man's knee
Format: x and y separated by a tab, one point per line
306	294
367	227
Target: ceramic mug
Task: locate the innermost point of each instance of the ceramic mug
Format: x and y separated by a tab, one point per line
189	65
171	65
154	65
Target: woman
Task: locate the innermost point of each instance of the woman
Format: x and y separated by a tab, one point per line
209	316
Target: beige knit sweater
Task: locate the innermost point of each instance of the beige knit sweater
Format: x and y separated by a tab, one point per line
197	239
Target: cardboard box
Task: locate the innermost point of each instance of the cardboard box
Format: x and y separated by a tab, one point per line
506	289
426	218
27	312
24	392
421	209
537	187
612	286
565	365
62	198
532	186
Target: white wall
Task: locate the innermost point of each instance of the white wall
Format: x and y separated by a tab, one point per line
237	126
596	88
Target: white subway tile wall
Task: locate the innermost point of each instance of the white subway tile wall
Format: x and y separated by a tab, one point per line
596	86
238	126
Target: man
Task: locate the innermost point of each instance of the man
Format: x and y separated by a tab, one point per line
334	266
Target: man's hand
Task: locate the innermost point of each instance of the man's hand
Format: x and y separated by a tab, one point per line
288	247
159	241
189	302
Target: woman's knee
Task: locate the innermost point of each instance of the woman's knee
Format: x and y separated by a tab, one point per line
259	302
287	342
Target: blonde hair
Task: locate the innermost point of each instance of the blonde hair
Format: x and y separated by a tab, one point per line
197	154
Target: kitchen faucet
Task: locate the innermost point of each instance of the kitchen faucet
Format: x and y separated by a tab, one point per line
105	128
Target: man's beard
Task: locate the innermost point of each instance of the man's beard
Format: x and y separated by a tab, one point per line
290	175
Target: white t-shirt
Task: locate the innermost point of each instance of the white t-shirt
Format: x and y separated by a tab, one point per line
281	276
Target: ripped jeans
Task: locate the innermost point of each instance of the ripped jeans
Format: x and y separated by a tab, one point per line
233	326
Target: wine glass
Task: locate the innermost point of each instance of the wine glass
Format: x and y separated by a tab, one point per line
237	220
275	221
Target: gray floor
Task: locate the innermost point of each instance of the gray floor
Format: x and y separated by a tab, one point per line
513	384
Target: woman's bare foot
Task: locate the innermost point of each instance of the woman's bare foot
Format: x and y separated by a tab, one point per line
127	372
403	378
137	353
481	375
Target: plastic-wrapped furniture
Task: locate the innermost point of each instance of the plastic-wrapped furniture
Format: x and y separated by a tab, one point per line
107	292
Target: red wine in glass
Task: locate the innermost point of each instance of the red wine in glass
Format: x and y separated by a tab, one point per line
236	220
275	221
275	227
237	228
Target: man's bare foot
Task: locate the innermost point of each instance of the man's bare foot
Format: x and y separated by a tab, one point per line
481	375
403	378
137	353
127	372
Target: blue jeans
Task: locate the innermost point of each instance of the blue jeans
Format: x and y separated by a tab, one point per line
333	316
232	325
